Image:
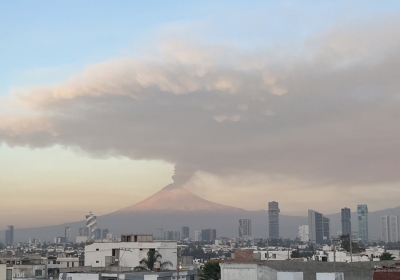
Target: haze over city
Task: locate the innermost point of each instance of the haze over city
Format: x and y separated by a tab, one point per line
102	104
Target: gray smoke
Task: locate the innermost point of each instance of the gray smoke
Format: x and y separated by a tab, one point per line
327	116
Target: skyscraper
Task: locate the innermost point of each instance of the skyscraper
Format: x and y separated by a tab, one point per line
209	234
197	235
394	228
244	227
385	229
346	221
9	235
67	234
91	224
273	217
389	229
362	213
185	232
319	229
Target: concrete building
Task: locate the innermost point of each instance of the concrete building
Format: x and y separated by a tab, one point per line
304	233
67	234
184	232
81	239
393	228
245	228
208	235
91	224
104	233
6	273
273	219
83	231
128	252
362	213
197	235
385	229
97	234
346	221
319	229
9	238
298	270
129	275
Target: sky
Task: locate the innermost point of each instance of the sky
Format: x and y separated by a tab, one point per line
102	102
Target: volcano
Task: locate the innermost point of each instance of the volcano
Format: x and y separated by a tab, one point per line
172	198
174	206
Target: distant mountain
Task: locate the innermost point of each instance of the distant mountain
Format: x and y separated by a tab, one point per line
174	207
173	198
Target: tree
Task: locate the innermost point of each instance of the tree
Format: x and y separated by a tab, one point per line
210	271
346	244
386	257
153	256
295	254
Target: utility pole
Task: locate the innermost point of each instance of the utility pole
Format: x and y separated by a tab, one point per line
351	248
267	249
178	261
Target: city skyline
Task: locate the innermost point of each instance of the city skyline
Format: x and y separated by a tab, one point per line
293	101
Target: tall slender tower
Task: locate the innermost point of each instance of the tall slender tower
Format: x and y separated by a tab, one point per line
245	228
9	235
385	229
346	221
394	228
91	224
67	234
362	212
273	216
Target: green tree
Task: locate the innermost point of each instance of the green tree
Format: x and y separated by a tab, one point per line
153	256
295	254
210	271
386	257
346	244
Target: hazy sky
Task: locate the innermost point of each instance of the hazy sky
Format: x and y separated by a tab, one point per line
252	101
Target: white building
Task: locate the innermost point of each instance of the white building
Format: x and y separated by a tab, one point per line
389	228
197	235
129	252
6	273
304	233
385	229
81	239
394	228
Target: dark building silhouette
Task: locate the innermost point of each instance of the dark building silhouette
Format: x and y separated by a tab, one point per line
185	232
9	235
273	217
346	221
209	234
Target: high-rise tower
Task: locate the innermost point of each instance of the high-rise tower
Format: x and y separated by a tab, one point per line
67	234
245	228
346	221
9	235
273	217
91	224
362	213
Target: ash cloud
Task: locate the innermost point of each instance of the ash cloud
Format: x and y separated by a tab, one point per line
329	115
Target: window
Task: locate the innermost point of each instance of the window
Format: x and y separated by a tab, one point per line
97	249
54	262
38	272
9	274
73	264
97	261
